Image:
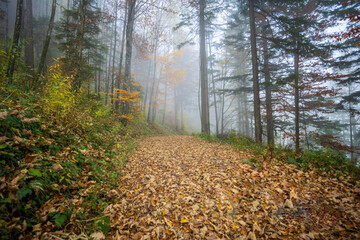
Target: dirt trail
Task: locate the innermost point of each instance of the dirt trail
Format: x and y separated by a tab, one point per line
181	187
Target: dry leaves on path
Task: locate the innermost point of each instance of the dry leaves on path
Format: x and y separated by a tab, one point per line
181	187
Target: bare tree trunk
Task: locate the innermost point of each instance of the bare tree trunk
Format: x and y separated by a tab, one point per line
114	52
80	39
147	86
151	97
15	44
214	92
99	83
256	88
46	43
351	127
155	97
182	115
29	47
163	119
129	40
81	28
118	82
176	109
268	97
205	121
297	108
246	115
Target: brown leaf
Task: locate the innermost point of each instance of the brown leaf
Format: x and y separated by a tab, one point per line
288	203
255	204
3	139
97	236
3	114
251	236
57	166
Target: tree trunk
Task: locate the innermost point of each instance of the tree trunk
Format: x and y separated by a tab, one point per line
118	82
46	43
147	86
246	115
129	40
297	108
268	97
80	40
214	92
155	96
182	115
81	27
114	53
163	119
205	122
15	44
351	127
176	109
107	84
29	47
256	89
151	96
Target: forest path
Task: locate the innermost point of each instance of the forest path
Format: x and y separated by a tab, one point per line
182	187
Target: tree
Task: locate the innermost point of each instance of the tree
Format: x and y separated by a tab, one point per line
256	88
129	42
29	47
346	65
268	88
205	122
46	43
14	50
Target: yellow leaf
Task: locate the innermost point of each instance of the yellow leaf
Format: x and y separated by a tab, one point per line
168	222
184	220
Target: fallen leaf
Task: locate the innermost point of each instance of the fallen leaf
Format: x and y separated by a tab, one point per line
288	203
97	236
57	166
251	236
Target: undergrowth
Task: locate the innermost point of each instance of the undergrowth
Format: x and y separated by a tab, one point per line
61	154
325	160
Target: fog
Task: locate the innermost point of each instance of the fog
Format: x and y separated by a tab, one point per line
166	57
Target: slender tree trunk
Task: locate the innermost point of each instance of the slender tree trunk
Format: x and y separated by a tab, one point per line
351	127
256	88
46	43
205	121
155	97
176	109
99	83
96	82
118	82
15	44
7	22
268	97
297	108
81	27
214	92
151	97
29	47
163	119
114	53
129	40
182	115
246	116
147	86
107	84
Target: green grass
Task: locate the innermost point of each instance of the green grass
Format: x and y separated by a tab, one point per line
325	159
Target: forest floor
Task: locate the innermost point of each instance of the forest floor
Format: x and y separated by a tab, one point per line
182	187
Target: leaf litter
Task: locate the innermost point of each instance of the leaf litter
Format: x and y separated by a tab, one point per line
181	187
